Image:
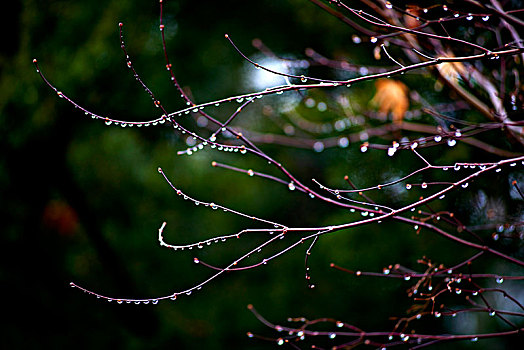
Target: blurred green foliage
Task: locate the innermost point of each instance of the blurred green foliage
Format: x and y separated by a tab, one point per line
83	202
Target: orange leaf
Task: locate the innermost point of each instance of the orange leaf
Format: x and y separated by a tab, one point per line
391	96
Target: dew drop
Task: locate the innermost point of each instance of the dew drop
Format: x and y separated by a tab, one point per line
474	339
500	280
438	138
318	146
485	18
303	79
373	39
469	17
464	185
291	186
437	314
391	151
250	172
424	185
280	341
408	186
452	142
389	5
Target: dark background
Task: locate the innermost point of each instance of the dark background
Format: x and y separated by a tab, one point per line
82	202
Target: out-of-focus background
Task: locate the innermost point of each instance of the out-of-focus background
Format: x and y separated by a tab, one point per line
82	201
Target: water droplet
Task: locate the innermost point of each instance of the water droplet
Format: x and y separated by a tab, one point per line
469	17
373	39
389	5
437	314
500	280
213	206
318	146
485	18
250	172
407	278
408	186
492	313
108	122
438	138
303	79
386	271
332	335
291	186
280	341
424	185
391	151
474	339
464	185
